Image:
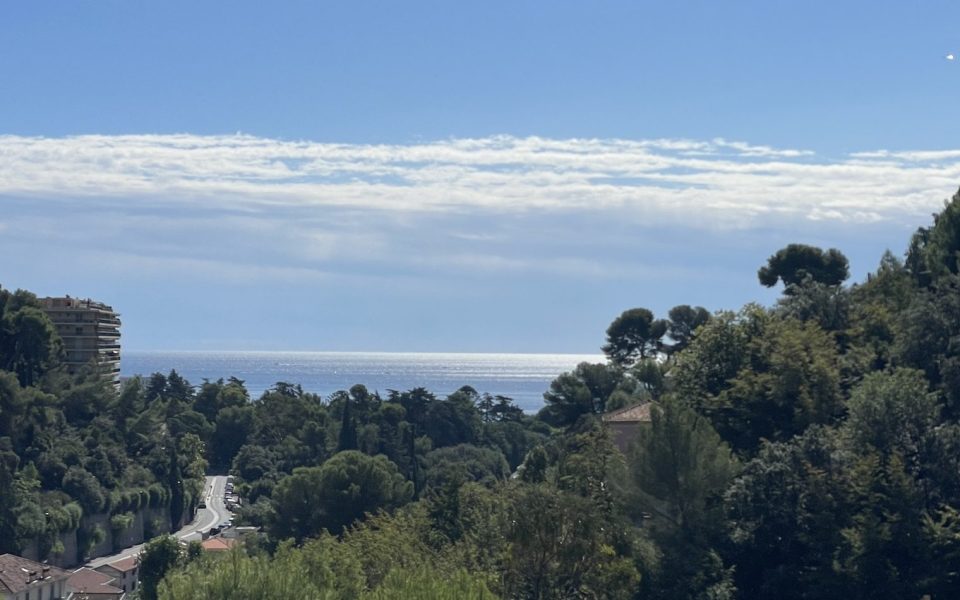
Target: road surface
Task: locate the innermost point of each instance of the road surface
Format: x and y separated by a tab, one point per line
206	519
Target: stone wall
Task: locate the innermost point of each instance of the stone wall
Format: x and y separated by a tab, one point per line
147	523
99	521
67	558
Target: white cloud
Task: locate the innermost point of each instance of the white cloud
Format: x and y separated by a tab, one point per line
710	184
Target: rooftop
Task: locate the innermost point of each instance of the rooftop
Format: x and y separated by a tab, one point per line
18	574
218	544
88	581
638	413
126	564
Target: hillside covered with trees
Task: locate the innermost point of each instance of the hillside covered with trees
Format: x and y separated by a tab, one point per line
807	450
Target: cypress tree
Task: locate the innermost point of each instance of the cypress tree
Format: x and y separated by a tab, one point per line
348	429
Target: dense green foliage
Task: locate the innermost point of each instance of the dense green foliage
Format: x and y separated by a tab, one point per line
72	447
799	263
807	450
334	495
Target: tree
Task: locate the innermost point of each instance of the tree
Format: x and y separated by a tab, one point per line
12	404
683	323
364	402
680	464
157	558
234	425
935	251
286	575
8	498
943	534
129	404
336	494
890	285
928	337
29	344
534	469
705	369
635	334
826	305
176	486
892	413
794	263
882	552
178	388
584	391
560	546
429	585
452	421
415	402
156	387
679	468
348	428
789	380
786	511
514	439
84	488
464	463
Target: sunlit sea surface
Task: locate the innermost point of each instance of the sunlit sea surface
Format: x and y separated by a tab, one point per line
523	377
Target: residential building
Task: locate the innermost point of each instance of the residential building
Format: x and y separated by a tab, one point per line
625	423
24	579
88	584
90	332
218	544
126	572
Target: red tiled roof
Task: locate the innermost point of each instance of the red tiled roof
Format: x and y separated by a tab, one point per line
126	564
218	544
92	582
638	413
18	574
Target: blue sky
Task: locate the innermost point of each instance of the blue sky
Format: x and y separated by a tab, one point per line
498	176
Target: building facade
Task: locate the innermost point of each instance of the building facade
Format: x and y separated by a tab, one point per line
90	332
125	573
624	424
23	579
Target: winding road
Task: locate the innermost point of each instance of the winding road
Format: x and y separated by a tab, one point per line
206	519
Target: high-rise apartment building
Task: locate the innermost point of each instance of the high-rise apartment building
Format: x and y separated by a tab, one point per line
90	332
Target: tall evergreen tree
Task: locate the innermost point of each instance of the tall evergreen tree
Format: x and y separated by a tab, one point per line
348	428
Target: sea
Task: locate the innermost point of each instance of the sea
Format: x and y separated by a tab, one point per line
523	377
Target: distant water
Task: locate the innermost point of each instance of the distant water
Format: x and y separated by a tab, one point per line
523	377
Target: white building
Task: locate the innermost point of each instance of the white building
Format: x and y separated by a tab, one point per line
90	332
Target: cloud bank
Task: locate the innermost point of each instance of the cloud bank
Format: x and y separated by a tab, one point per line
707	184
470	244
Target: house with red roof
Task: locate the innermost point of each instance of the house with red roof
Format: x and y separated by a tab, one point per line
218	544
